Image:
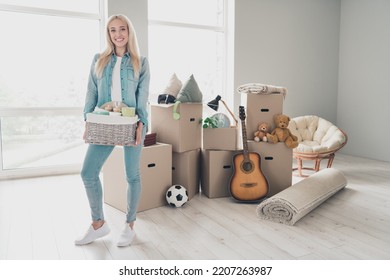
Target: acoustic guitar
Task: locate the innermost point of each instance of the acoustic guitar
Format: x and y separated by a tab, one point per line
248	182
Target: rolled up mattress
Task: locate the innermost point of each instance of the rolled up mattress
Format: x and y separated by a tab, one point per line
293	203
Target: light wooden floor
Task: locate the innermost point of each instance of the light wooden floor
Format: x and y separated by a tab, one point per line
41	217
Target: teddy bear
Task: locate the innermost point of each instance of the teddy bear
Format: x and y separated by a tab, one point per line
261	133
281	133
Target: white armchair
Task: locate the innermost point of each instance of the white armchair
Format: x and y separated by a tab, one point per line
318	139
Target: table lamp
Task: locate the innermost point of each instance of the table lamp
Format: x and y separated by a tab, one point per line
214	104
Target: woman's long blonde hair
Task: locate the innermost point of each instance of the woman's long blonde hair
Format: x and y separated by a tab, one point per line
132	47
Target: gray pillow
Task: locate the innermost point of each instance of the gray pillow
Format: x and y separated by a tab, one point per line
190	91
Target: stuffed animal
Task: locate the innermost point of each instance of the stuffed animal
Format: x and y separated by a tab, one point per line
281	133
261	133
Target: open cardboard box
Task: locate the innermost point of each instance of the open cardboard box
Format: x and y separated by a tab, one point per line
185	133
220	138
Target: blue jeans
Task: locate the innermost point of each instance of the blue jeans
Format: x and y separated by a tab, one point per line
95	157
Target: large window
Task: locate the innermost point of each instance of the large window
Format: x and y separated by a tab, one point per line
46	51
189	37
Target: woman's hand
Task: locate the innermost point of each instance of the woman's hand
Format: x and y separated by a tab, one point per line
138	133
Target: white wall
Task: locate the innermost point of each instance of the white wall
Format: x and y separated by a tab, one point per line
364	88
293	44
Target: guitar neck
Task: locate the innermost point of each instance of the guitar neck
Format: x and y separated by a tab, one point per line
244	141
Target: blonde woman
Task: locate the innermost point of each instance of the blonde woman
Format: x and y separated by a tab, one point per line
117	74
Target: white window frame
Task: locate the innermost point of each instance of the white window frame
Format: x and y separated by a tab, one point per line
45	111
228	30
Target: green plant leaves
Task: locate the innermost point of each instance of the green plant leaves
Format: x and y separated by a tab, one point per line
210	122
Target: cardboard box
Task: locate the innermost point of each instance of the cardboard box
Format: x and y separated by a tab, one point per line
217	170
186	171
276	164
184	134
260	108
156	177
226	139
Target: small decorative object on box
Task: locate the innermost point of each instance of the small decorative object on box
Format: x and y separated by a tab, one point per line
110	130
222	120
166	99
150	139
281	133
261	133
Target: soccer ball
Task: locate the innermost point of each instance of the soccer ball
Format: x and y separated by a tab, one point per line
177	195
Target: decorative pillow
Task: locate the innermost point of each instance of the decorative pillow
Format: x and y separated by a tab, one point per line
190	91
173	86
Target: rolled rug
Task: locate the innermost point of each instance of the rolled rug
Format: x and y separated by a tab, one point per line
293	203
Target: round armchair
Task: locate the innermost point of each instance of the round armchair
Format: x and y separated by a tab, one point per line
318	139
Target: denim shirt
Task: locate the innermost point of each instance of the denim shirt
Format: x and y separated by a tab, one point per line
135	90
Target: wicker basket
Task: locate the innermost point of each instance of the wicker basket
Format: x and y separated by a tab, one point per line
121	134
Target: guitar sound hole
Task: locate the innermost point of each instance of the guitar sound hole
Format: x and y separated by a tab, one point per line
247	166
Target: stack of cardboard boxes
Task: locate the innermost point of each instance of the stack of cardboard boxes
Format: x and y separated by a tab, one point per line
183	131
186	153
174	159
219	149
276	158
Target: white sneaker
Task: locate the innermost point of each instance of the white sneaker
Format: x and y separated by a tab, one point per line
126	236
92	234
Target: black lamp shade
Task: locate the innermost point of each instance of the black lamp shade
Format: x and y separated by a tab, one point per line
213	104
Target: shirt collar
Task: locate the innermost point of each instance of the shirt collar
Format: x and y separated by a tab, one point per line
125	55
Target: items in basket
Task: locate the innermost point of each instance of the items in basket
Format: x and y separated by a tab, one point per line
113	106
115	114
119	109
99	111
128	111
